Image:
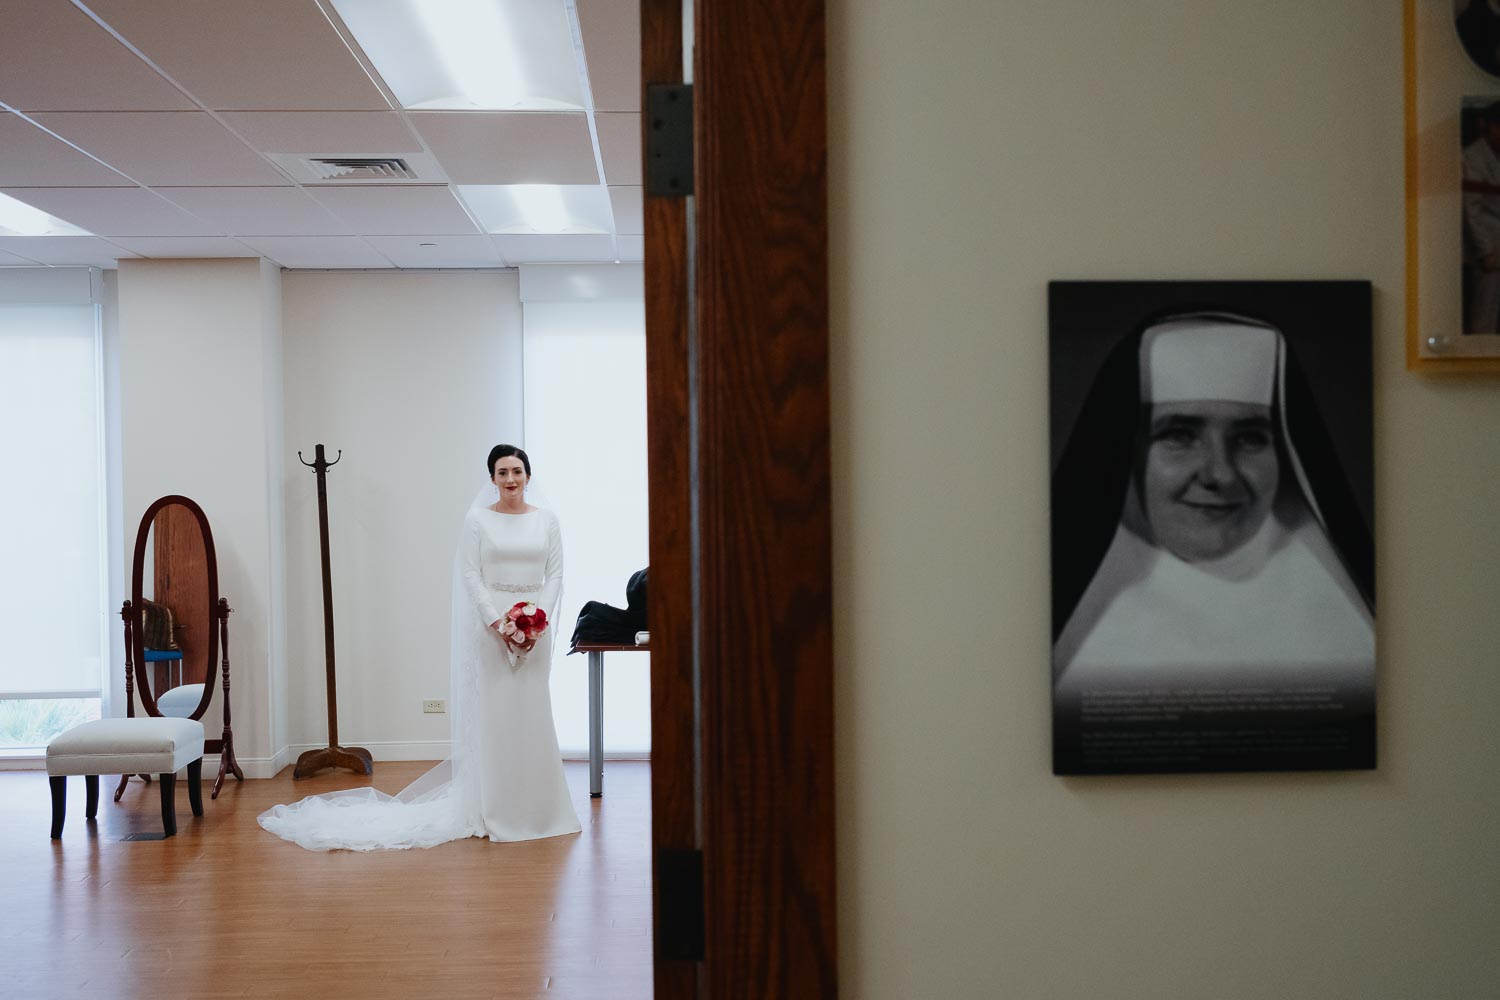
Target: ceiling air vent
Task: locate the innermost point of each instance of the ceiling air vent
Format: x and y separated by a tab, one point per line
362	168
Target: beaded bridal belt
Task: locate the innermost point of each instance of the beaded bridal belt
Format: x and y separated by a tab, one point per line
517	588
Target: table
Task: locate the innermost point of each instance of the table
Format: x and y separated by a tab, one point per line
596	651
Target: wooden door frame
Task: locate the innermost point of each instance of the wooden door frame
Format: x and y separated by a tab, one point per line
740	521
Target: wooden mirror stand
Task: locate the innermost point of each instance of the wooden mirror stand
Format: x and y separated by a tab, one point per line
185	587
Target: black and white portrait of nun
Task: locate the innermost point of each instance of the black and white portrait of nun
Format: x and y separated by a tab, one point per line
1204	530
1212	547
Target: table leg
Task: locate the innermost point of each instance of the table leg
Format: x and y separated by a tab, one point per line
596	723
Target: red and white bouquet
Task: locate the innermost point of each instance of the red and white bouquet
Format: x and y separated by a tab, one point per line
522	625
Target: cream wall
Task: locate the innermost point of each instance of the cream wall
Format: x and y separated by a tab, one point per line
978	150
414	376
199	397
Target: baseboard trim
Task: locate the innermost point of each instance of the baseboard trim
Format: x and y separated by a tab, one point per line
23	762
269	767
380	750
254	767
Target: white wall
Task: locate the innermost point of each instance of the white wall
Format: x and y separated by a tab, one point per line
415	376
978	150
199	414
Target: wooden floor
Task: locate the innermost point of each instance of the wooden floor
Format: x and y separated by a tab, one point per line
224	909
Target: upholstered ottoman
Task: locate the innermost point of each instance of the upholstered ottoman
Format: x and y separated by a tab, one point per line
127	746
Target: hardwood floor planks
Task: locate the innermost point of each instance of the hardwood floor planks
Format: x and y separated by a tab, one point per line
224	909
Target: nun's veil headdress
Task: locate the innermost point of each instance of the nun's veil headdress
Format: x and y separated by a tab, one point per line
1092	477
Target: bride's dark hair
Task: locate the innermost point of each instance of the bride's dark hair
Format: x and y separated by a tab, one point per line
506	451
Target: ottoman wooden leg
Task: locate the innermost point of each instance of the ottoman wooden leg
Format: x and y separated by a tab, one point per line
195	786
59	803
169	803
91	783
121	790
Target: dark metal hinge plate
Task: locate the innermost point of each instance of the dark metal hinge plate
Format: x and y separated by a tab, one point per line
669	139
679	919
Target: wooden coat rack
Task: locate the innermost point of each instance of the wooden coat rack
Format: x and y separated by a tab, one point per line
356	759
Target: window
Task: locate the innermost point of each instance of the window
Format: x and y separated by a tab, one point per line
52	590
585	385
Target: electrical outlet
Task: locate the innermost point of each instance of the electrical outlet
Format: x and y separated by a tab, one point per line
434	706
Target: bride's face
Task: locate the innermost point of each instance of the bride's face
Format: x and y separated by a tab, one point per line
510	477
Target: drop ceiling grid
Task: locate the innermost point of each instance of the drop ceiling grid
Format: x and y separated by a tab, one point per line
270	55
54	57
8	259
116	211
545	129
620	144
30	157
630	210
438	251
161	148
318	251
543	148
169	247
66	251
612	42
258	211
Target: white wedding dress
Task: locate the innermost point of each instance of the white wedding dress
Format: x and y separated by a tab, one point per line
505	778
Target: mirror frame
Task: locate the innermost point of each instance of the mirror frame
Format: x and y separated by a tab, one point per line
143	686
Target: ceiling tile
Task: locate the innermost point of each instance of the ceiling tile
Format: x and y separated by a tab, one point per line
258	211
165	247
31	157
53	57
8	259
73	250
629	210
632	248
612	45
115	211
318	251
396	210
348	133
443	251
620	147
510	147
554	249
270	55
170	147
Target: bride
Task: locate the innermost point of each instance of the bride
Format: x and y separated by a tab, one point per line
505	778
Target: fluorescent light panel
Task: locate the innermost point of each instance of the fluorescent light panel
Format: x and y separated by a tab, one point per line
469	55
525	209
20	219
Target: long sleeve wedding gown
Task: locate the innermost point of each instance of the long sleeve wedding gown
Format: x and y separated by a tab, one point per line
505	779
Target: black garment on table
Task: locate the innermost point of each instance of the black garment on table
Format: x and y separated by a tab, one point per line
604	623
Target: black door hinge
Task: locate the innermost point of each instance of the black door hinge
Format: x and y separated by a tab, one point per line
669	139
679	918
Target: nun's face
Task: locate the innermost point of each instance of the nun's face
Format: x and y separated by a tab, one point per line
1209	477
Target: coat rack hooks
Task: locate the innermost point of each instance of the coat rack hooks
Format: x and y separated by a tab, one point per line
319	458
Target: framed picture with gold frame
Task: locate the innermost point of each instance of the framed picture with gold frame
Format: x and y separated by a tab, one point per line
1452	109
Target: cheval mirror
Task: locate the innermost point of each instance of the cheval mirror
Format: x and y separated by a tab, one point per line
177	625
